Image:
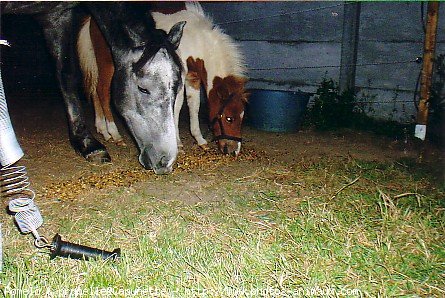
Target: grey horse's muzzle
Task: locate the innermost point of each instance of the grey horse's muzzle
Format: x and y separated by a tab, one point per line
159	163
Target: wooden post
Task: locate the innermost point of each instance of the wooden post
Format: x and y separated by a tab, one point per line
349	45
427	68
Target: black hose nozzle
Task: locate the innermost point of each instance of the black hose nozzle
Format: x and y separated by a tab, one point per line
75	251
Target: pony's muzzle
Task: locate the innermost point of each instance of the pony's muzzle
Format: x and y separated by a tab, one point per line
229	147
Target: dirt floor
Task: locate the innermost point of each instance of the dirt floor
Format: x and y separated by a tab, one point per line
57	173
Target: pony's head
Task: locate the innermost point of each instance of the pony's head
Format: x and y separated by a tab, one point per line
145	86
227	100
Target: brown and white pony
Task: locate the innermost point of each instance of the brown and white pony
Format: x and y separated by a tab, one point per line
212	60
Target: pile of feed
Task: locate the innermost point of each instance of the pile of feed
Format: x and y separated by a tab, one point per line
194	159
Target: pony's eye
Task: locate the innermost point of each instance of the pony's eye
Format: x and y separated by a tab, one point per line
143	90
229	119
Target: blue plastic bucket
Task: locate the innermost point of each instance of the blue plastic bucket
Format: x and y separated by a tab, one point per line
276	111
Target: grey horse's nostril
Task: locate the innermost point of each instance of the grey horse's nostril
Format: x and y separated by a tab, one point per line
144	159
163	166
163	162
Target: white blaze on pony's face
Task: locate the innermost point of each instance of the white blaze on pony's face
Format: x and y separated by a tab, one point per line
147	103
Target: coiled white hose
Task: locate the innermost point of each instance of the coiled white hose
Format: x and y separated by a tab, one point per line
14	182
15	186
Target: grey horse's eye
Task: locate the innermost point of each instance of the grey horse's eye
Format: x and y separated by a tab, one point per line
143	90
229	119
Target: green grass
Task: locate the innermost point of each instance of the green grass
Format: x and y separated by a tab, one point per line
302	236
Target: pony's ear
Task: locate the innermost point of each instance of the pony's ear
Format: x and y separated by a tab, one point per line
217	81
236	83
175	34
218	89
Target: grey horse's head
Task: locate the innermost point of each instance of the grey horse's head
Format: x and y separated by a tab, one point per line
145	85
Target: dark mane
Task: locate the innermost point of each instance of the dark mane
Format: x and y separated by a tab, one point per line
160	41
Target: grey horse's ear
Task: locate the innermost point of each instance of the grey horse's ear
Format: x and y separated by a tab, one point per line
175	34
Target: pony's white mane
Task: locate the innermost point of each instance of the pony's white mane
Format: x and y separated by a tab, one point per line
202	39
196	8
